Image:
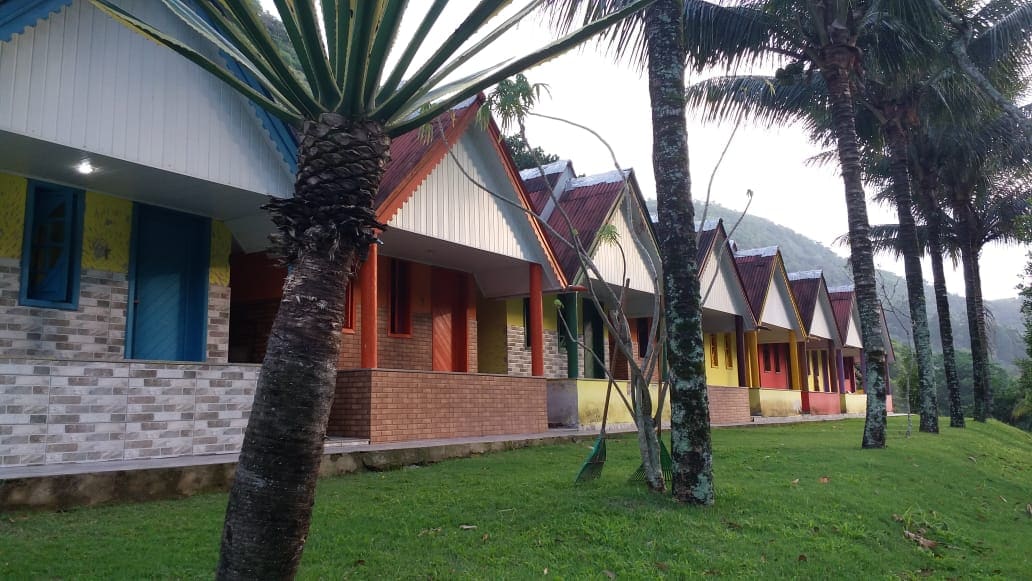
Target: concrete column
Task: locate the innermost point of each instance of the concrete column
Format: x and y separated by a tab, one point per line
840	363
752	341
793	361
536	330
367	280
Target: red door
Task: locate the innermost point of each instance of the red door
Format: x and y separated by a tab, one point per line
448	300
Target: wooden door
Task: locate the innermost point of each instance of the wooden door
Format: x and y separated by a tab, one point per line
448	305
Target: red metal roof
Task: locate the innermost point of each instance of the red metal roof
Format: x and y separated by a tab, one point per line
412	149
842	304
806	291
705	244
756	276
587	207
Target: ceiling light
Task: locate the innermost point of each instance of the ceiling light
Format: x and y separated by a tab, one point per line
85	167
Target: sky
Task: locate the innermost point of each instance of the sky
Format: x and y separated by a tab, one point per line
588	87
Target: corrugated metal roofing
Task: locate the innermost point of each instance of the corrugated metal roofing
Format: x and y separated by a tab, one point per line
410	149
756	272
806	291
587	207
704	245
842	304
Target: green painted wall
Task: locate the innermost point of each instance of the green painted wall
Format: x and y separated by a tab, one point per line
107	226
12	214
221	246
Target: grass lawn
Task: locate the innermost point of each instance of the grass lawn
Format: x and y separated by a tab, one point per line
792	501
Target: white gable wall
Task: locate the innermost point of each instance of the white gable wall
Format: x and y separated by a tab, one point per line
853	333
778	310
82	80
610	262
823	324
449	207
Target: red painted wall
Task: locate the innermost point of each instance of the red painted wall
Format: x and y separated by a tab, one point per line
825	403
774	365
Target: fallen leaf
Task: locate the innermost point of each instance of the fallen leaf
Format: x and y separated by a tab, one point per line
429	531
662	566
468	527
972	458
609	574
546	570
795	482
1028	507
802	558
763	558
485	537
824	480
359	562
897	518
1003	499
926	543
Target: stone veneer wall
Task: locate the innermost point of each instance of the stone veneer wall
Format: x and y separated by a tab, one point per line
78	411
518	353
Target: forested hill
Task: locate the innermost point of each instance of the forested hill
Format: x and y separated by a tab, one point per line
802	253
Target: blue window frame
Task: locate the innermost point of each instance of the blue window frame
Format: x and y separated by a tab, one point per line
52	247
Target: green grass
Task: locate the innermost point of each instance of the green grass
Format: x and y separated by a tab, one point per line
967	490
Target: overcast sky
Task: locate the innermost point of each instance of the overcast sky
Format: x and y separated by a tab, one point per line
587	87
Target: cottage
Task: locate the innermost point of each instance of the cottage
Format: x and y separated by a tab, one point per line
821	354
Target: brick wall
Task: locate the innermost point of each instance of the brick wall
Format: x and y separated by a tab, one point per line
517	354
349	416
417	405
729	405
54	411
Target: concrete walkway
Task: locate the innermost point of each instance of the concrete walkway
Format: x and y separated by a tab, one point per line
60	486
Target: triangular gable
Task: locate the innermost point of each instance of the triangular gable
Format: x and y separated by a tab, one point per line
772	300
847	316
95	86
540	187
811	295
425	191
640	262
720	282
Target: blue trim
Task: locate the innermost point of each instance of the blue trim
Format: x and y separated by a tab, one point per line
277	129
72	269
18	15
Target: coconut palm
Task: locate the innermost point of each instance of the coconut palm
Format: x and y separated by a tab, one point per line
359	85
655	41
821	42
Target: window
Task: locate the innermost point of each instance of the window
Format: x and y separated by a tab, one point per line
728	360
766	358
815	365
824	365
777	351
51	247
644	335
401	298
714	356
349	305
526	321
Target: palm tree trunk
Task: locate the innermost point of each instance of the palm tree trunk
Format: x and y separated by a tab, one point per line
899	163
975	316
942	305
836	70
691	445
321	230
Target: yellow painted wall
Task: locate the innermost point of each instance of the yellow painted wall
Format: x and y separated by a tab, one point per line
221	246
591	398
491	347
854	403
775	402
107	225
12	214
551	313
721	374
514	312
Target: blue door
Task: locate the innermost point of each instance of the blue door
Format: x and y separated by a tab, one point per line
168	289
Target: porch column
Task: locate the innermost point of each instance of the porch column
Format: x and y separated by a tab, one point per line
863	371
536	330
743	359
793	361
572	335
832	372
752	340
367	280
840	363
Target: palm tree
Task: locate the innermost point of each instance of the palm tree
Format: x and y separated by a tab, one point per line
656	40
346	103
822	43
